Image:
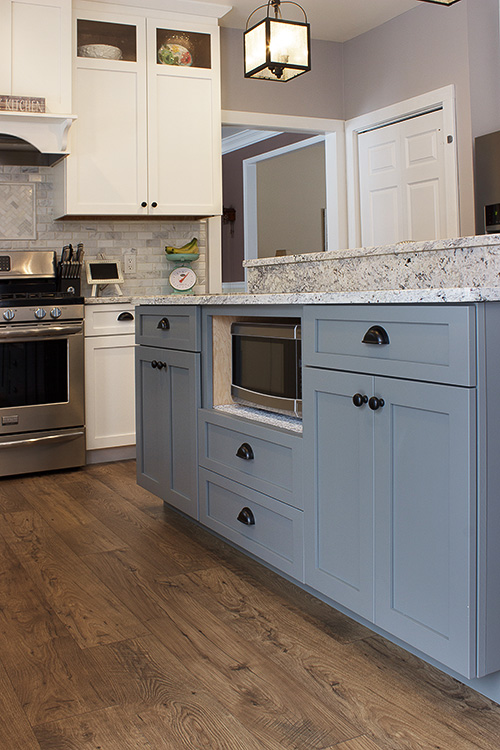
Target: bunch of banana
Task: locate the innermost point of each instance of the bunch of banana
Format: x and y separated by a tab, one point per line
189	247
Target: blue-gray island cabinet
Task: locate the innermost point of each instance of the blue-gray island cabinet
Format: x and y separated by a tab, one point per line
399	506
390	427
168	394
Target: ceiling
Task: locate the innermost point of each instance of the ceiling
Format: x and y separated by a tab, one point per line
332	20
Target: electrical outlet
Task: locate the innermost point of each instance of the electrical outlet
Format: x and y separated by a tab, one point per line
130	263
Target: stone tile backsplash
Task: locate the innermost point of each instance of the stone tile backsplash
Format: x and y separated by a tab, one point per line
145	238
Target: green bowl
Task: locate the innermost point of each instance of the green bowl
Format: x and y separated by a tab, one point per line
181	257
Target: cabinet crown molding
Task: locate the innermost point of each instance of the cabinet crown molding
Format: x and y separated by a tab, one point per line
190	7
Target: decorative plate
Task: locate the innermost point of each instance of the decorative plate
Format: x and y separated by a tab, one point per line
174	54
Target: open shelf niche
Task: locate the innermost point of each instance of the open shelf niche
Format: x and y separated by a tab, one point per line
221	375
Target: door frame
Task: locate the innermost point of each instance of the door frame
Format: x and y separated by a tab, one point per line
250	191
333	131
442	99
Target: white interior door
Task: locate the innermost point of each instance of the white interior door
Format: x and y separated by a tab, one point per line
402	181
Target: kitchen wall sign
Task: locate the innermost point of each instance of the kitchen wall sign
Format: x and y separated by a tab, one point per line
22	103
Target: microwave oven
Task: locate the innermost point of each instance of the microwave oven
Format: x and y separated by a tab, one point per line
266	366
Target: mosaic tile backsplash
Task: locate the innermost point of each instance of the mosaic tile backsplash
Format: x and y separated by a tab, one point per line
17	211
145	238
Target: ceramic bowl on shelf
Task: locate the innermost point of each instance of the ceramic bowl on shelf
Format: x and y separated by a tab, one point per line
177	49
101	51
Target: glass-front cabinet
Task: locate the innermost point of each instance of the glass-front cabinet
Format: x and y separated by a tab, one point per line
147	97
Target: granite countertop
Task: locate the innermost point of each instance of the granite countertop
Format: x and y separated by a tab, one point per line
463	269
385	296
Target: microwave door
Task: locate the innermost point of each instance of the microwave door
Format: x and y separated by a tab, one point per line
266	373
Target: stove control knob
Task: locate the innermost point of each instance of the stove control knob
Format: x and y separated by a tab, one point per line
8	314
56	312
40	313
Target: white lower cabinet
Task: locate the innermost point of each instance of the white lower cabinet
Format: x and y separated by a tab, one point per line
109	376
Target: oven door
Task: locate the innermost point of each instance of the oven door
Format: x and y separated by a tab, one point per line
41	377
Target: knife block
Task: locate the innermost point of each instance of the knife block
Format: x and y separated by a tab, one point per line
66	286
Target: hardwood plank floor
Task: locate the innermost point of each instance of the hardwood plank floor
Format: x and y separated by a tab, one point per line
124	626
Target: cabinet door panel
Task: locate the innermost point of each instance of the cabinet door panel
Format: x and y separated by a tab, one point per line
167	402
182	454
107	167
425	518
183	140
109	391
339	504
152	418
35	51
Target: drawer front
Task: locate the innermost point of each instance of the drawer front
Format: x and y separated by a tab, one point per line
109	320
276	534
169	326
260	457
420	342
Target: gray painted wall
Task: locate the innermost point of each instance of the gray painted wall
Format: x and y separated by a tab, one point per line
318	93
291	196
421	50
484	62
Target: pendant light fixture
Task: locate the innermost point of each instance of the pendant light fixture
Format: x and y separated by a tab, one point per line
275	49
441	2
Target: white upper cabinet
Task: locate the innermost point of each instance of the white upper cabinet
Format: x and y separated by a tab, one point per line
146	92
35	50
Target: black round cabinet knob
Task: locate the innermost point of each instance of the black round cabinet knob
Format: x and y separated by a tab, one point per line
359	400
376	403
144	204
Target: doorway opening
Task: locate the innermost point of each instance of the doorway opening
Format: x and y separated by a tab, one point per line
265	185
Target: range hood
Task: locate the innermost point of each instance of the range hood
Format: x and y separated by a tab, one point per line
30	139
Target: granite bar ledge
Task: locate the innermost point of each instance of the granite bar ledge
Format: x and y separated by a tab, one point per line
463	263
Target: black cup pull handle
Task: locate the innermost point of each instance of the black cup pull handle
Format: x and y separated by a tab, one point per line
246	516
245	451
125	316
376	335
164	324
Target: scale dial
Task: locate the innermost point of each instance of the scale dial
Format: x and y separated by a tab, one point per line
182	278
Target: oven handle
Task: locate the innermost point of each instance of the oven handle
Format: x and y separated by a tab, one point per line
40	331
45	438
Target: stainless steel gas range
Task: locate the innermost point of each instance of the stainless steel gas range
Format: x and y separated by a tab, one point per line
41	367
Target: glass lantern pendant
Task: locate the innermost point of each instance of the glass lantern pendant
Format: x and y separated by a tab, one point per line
275	49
